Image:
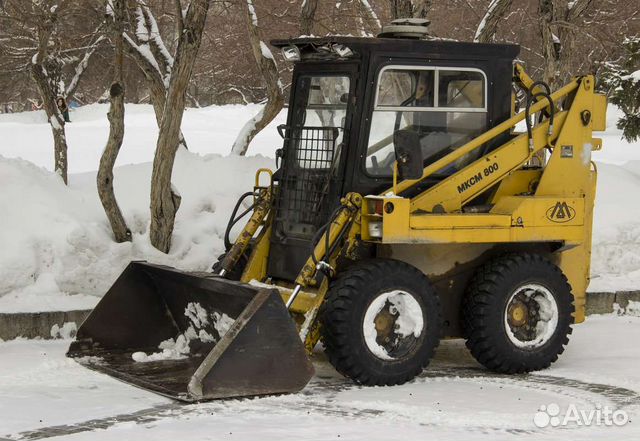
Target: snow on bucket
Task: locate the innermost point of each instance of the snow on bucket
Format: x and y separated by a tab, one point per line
193	336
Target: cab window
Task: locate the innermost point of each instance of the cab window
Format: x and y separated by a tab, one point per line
319	120
446	106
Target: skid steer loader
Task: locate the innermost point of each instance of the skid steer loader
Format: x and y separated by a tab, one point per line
405	208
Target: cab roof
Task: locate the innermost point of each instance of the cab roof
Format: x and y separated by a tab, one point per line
411	47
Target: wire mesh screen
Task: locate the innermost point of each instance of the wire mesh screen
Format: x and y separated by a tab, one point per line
310	163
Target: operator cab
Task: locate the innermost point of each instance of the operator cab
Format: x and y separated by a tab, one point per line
353	100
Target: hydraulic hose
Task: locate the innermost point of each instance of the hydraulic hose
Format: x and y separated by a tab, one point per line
233	220
542	84
326	231
530	100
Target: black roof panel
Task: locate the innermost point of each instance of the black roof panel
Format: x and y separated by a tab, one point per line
445	48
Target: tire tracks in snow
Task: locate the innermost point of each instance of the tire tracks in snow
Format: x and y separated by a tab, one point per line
319	397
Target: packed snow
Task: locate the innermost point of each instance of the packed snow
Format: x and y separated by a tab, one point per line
180	347
221	322
46	395
171	349
67	330
197	314
58	251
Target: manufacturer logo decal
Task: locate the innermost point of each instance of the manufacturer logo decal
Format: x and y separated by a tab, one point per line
561	212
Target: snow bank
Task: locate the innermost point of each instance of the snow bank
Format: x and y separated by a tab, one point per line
57	251
212	129
56	239
615	261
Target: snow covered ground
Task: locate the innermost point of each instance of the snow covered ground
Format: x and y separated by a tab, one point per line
45	395
57	251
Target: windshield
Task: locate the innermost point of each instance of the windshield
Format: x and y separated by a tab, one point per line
445	106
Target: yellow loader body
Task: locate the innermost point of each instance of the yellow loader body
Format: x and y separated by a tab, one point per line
530	197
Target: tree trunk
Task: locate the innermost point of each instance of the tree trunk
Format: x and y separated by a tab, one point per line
154	78
55	118
367	18
421	8
269	71
164	200
307	16
487	28
401	8
557	30
550	42
104	177
409	8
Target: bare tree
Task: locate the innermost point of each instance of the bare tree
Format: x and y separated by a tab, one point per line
165	200
370	16
116	10
224	74
269	71
410	8
488	26
558	23
307	16
152	56
32	35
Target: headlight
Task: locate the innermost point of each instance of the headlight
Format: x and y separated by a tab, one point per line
291	53
375	230
342	50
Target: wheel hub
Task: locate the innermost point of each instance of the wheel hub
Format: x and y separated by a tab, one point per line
385	323
518	314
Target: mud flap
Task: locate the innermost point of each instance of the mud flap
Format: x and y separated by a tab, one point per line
241	339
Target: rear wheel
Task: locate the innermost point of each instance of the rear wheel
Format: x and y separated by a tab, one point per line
381	322
517	313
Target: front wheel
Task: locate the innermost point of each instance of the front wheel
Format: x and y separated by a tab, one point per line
381	322
517	313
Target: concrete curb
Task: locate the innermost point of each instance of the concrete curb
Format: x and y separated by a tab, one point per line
39	324
603	302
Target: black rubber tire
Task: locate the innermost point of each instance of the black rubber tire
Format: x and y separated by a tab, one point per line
343	311
484	307
236	272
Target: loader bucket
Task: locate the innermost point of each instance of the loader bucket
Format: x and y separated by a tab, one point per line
241	340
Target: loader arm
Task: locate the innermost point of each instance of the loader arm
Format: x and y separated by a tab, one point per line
513	155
